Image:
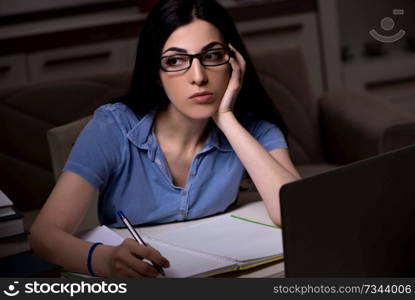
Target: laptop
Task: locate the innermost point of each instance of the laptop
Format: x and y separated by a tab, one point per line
354	221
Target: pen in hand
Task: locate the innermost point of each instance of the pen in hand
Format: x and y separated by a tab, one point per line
138	239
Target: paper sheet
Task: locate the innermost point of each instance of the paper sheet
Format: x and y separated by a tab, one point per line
103	235
254	211
4	200
228	237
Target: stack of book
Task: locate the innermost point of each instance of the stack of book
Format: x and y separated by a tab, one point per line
13	238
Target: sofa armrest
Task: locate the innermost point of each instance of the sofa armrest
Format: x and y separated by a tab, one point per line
356	125
61	140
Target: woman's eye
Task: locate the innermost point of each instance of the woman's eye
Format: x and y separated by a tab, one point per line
213	55
175	61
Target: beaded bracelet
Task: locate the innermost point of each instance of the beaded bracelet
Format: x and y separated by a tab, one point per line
89	258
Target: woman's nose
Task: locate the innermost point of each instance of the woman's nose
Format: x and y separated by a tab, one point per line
197	73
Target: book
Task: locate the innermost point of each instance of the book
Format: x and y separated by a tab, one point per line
14	244
11	224
215	246
4	200
7	211
11	221
13	239
254	212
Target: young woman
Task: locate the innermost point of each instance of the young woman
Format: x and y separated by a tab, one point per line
174	148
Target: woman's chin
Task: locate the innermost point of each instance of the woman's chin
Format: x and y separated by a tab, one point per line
195	111
202	114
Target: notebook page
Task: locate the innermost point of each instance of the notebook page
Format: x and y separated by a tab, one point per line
186	263
254	211
103	235
228	237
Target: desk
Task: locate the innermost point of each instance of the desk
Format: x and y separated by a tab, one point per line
245	209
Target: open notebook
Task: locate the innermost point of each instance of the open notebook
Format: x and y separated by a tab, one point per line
208	248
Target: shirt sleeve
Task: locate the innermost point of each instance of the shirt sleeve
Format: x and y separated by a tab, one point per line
269	135
98	150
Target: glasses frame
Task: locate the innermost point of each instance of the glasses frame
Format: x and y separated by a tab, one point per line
199	57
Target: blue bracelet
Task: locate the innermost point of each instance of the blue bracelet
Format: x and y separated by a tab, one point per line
89	259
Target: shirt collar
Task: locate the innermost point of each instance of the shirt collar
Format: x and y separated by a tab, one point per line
217	140
141	135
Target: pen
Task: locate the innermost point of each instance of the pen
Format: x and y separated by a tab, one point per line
138	239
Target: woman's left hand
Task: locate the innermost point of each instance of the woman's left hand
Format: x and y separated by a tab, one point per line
234	86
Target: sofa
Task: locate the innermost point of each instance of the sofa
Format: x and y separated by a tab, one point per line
27	113
338	128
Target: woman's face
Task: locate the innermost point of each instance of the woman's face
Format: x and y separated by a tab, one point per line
182	86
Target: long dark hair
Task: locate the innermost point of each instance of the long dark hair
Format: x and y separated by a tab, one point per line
146	92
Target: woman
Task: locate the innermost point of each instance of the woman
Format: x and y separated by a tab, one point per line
174	148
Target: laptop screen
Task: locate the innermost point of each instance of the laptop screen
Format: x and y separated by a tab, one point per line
354	221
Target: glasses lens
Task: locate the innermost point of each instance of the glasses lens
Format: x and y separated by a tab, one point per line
215	57
175	62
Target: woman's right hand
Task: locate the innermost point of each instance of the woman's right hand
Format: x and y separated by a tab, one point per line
127	260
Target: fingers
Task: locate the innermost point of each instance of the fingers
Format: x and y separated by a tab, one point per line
121	269
127	260
235	82
238	67
239	58
155	256
147	252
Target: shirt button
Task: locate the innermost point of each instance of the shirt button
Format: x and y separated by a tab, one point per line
182	212
193	174
183	193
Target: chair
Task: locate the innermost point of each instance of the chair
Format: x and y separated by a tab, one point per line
61	139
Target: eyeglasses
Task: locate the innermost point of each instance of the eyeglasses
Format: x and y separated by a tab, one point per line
209	58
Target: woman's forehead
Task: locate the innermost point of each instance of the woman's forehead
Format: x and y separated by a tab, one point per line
193	36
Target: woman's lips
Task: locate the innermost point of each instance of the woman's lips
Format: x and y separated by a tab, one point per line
204	98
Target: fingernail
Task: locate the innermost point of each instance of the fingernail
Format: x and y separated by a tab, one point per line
166	263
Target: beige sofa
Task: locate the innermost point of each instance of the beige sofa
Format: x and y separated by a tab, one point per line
339	128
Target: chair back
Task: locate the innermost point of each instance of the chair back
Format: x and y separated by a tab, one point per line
61	140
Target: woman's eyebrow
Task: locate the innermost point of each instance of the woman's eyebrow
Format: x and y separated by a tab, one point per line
175	49
207	47
211	45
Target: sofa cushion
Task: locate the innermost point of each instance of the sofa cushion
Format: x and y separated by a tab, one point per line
302	142
24	137
27	185
284	75
60	102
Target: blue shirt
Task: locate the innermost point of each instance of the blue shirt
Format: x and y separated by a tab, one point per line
117	152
